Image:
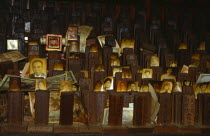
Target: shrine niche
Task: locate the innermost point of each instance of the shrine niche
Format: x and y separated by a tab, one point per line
105	67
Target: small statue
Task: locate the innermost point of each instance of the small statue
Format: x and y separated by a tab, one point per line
168	75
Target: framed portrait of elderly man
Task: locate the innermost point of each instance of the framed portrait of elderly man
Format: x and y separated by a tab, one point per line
53	42
154	61
146	73
41	84
12	44
38	68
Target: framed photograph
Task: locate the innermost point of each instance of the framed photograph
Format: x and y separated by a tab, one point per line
54	42
41	84
133	86
12	44
154	61
184	69
99	87
127	43
27	27
146	73
72	33
122	85
166	87
38	68
114	60
177	87
108	83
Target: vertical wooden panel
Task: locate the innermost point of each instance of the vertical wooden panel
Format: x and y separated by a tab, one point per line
199	109
15	107
206	110
141	109
41	106
115	110
188	110
177	108
165	112
66	108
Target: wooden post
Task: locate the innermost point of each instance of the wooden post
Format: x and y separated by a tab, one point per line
42	106
15	107
66	108
141	114
115	110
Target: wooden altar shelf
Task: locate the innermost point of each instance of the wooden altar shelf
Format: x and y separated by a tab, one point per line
82	128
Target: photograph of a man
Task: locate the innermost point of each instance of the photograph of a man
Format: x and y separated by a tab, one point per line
147	73
38	68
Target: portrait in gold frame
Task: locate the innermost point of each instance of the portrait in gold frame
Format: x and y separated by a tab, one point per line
41	84
154	61
108	83
166	87
147	73
122	86
53	42
38	68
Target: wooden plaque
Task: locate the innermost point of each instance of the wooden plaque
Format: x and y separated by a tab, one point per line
188	110
66	108
41	106
115	110
15	107
165	112
141	114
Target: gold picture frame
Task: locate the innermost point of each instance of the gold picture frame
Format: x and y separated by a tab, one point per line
72	33
147	73
54	42
41	84
12	44
122	85
38	68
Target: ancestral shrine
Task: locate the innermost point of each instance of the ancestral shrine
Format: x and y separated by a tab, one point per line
105	67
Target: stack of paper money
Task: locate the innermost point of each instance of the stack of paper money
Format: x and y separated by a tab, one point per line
13	56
